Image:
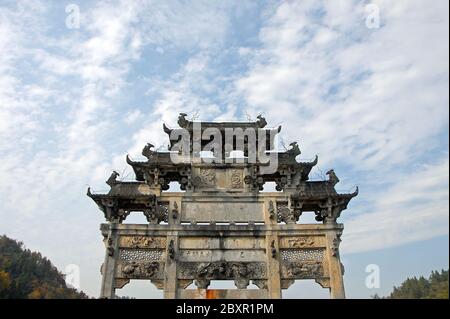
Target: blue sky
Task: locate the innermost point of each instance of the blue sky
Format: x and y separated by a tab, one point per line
371	102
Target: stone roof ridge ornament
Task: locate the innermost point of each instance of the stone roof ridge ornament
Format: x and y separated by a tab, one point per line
355	193
147	151
166	129
261	122
182	121
314	161
113	178
294	150
88	192
332	177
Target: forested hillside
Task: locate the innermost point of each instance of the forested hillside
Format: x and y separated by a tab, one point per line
27	274
434	287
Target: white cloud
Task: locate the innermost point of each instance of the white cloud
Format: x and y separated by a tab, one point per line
323	72
371	99
415	208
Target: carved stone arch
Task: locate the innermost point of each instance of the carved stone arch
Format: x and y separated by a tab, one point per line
323	282
121	282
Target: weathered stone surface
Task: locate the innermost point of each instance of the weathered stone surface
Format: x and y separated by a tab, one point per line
222	211
221	226
142	242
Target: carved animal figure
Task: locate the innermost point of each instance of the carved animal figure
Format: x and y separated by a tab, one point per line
332	177
147	151
113	178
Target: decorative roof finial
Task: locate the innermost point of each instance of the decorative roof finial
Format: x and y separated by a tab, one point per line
182	121
261	121
294	150
113	178
147	151
332	177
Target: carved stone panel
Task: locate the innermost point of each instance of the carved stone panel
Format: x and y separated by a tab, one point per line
142	242
222	211
236	179
302	263
140	270
302	270
209	255
302	242
302	254
240	272
205	177
141	254
234	242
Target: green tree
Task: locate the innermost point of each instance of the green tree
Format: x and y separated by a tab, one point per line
27	274
435	287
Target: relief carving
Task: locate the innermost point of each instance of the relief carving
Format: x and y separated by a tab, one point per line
271	210
285	214
236	179
304	269
203	273
207	177
175	210
301	242
157	214
143	242
137	269
335	245
171	249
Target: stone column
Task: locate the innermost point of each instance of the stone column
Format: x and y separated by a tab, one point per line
109	266
170	271
272	251
273	266
335	267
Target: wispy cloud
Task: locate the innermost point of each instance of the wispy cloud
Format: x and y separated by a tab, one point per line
415	208
371	102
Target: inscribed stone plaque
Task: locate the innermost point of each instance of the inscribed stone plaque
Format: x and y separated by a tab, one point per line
222	212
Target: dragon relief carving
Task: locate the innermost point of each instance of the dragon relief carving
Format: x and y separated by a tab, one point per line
140	269
305	269
143	242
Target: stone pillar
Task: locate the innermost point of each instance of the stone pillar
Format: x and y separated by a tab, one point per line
109	266
335	267
273	266
170	271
